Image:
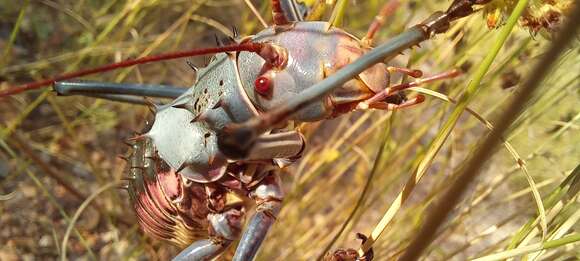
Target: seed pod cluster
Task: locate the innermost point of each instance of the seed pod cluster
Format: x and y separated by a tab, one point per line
542	17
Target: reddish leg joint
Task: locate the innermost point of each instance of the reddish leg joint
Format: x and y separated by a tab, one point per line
411	72
377	100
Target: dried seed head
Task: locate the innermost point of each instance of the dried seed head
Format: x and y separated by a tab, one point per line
542	17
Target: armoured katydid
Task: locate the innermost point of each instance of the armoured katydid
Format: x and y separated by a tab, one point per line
229	132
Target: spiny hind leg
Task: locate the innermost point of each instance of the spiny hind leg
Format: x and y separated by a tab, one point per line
268	197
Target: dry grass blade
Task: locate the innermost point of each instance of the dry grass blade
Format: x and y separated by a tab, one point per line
466	174
163	37
77	17
13	34
8	196
444	132
78	213
256	13
6	132
532	248
359	202
46	192
212	23
511	150
556	201
563	230
338	13
19	142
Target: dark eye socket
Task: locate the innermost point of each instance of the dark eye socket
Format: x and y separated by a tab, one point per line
263	84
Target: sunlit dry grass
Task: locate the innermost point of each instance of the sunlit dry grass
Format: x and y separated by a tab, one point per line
77	139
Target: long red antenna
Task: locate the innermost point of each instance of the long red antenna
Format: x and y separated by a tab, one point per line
246	46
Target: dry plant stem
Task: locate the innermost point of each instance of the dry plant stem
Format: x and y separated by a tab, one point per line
555	204
162	38
561	231
212	23
466	174
13	125
74	137
60	7
95	51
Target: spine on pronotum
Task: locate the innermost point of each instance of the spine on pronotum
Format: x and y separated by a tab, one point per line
226	137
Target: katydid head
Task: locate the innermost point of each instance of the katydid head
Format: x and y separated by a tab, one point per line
315	50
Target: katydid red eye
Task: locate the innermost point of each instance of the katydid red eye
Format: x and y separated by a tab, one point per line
263	85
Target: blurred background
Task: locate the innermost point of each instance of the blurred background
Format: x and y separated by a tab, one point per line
56	152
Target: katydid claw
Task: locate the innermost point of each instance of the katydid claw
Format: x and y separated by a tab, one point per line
350	254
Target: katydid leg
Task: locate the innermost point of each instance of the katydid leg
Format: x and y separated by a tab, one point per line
225	228
268	196
204	249
288	144
387	10
381	96
410	72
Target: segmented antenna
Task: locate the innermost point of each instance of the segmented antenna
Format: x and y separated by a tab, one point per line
247	46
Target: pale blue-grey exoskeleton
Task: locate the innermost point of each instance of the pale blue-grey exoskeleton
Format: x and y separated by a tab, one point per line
231	131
